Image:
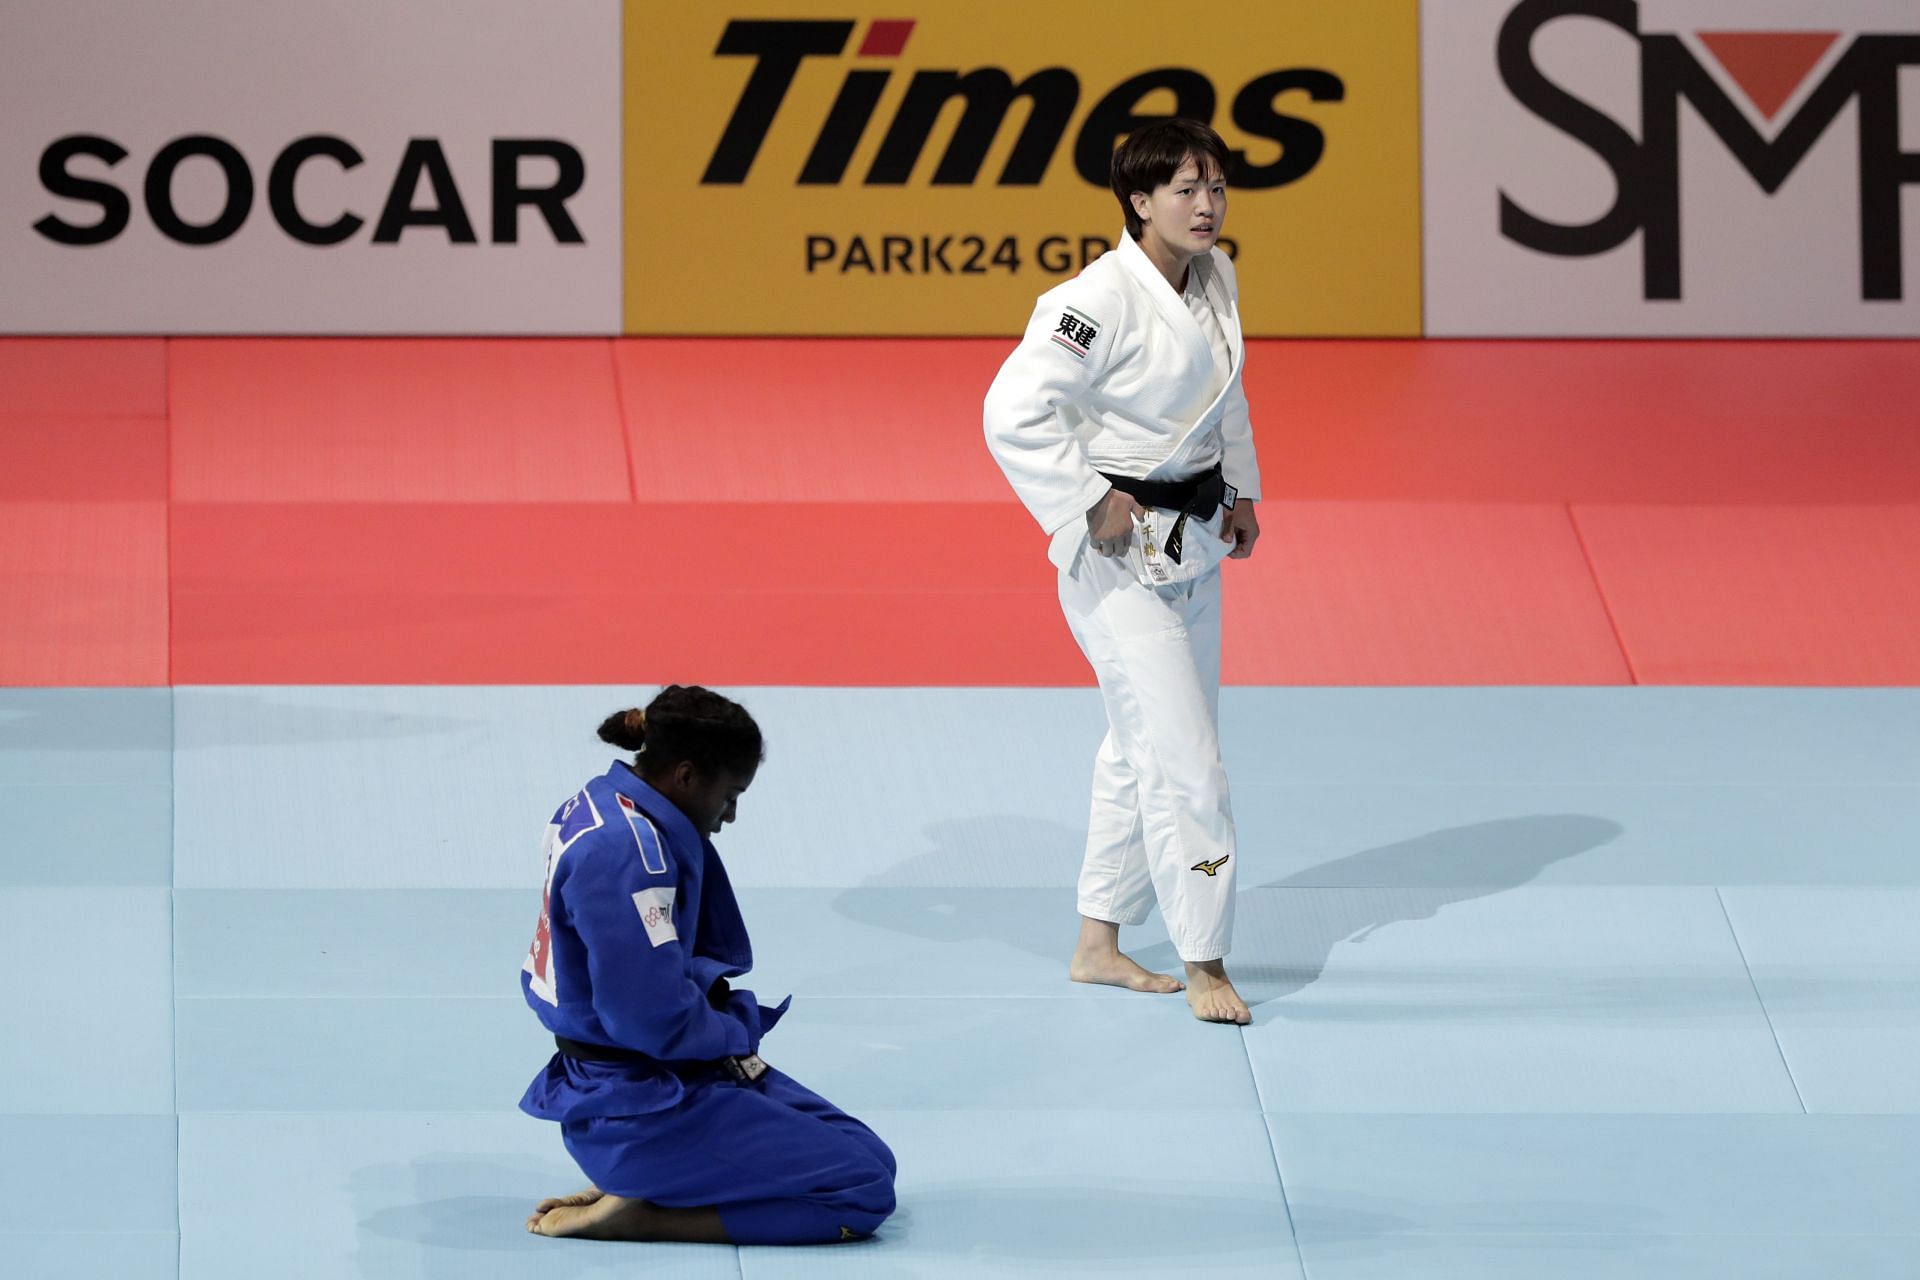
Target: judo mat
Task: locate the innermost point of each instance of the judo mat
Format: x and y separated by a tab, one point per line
263	511
1574	770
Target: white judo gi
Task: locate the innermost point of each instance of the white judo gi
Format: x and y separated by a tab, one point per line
1119	373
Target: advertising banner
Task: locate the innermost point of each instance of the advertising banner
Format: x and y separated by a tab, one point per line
358	166
1672	167
794	168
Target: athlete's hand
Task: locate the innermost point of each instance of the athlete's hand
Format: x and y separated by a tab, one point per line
1240	528
1110	523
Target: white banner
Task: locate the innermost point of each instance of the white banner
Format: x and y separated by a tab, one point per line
353	166
1675	167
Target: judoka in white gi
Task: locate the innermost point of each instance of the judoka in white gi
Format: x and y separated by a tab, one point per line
1121	423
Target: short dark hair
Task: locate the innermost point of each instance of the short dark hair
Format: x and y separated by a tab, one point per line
1151	155
691	724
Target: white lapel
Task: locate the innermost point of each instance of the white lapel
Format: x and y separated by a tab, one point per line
1223	307
1171	306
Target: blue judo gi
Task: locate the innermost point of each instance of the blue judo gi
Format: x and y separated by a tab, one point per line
638	930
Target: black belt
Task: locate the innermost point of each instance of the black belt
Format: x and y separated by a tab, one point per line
1197	496
740	1067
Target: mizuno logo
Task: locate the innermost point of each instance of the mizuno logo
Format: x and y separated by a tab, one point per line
1211	867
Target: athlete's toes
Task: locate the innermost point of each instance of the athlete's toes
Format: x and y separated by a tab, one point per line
556	1222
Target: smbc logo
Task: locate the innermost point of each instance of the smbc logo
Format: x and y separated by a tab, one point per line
1646	170
987	95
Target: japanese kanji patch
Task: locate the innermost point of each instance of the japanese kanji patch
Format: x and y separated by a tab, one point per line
1076	332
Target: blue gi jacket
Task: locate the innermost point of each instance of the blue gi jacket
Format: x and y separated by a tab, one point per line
637	923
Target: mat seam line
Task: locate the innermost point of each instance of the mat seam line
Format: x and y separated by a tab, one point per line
1273	1153
626	432
1761	1000
173	837
167	512
1606	605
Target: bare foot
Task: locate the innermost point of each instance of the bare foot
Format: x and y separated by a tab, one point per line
554	1202
600	1218
1097	958
594	1215
1116	969
1212	996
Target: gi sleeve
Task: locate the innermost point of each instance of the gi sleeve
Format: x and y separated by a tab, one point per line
1238	463
643	992
1067	346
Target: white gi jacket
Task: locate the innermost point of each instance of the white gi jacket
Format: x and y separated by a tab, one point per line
1105	379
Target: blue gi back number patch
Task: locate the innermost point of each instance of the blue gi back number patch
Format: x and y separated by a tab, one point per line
1076	332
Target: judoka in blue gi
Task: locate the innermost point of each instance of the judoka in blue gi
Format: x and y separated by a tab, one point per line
662	1098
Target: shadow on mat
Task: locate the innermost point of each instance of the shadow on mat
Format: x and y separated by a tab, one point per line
93	720
414	1219
1136	1228
1002	880
86	720
1400	883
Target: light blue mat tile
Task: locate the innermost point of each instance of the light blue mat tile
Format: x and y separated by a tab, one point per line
434	787
922	942
960	1054
91	1019
984	788
1086	1193
1556	1000
96	737
1368	1256
977	788
86	791
1592	736
86	834
1620	833
92	1255
328	787
63	1172
400	1196
1839	973
1349	1175
429	787
353	943
356	1055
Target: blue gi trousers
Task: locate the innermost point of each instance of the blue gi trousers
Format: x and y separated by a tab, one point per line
782	1164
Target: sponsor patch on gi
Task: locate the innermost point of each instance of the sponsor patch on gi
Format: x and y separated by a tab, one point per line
653	852
1211	868
1076	332
656	913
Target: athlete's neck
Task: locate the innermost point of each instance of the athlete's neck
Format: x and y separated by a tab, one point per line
1168	262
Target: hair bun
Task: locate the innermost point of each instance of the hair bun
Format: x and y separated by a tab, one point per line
625	729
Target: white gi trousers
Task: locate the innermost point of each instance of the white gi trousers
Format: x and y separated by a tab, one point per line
1161	823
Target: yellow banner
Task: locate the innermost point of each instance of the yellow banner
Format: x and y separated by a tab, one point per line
821	169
